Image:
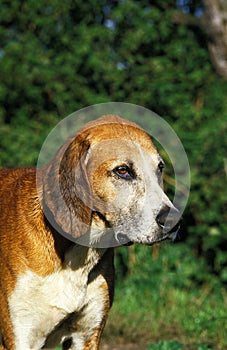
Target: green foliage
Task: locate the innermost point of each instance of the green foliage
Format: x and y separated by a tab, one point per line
22	139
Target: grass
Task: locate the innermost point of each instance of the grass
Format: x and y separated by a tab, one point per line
173	345
170	300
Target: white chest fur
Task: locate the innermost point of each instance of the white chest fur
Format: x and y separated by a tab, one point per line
39	304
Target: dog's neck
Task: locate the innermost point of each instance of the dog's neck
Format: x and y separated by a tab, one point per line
75	256
78	257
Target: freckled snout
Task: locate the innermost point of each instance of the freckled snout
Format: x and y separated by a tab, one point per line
168	220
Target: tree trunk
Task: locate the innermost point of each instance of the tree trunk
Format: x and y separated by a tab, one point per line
216	18
214	25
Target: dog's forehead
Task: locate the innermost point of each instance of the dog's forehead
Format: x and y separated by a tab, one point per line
112	130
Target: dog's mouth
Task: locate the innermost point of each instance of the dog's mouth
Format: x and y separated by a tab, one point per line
167	237
124	240
170	235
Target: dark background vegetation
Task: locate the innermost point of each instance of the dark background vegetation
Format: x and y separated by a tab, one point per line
168	56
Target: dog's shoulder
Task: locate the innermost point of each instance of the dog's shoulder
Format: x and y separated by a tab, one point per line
24	234
16	187
11	178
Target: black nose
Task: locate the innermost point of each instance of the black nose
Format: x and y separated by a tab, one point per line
168	218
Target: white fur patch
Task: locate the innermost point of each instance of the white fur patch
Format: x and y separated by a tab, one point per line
39	304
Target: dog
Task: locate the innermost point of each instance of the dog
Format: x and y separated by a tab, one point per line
59	225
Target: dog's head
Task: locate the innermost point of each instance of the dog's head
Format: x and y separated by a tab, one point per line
104	187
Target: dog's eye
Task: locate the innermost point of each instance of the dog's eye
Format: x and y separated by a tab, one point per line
124	172
161	165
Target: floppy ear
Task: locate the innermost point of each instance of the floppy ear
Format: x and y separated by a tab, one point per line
66	190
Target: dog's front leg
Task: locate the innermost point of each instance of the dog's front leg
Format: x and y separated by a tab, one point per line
89	326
